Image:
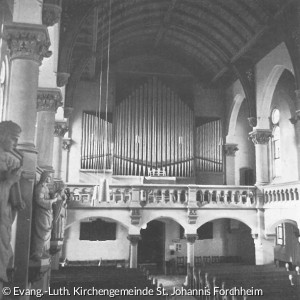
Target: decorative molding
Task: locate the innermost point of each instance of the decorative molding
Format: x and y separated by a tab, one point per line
260	136
60	129
252	121
68	112
27	41
192	216
51	14
48	99
134	239
67	143
62	79
191	238
230	149
135	216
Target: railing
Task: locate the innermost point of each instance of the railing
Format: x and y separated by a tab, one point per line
281	192
160	195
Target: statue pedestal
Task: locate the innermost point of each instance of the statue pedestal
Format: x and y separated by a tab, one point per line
39	273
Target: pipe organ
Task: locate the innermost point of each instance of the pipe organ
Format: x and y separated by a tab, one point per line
208	154
96	142
153	128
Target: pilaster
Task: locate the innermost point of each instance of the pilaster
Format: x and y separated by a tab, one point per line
229	152
261	138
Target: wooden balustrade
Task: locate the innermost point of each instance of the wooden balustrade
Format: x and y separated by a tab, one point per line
169	195
281	192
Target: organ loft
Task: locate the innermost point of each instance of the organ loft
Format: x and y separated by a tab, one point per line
149	136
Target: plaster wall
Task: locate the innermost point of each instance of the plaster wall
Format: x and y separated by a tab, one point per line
79	250
283	100
278	58
86	98
245	156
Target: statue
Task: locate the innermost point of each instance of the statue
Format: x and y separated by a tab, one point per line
42	218
60	215
10	196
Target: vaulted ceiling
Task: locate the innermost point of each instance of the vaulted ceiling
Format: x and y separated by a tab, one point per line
208	37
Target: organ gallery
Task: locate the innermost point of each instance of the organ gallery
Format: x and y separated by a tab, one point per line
149	139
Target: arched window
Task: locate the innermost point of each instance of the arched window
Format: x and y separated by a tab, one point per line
3	87
275	142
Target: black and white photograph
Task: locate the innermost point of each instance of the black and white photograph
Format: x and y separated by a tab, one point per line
150	149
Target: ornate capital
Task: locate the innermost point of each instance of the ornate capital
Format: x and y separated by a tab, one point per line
68	112
60	129
51	13
191	238
62	79
48	99
230	149
27	41
134	239
260	136
252	121
135	216
67	143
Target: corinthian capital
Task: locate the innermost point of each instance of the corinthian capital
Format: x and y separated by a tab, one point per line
48	99
51	13
260	136
230	149
27	41
60	129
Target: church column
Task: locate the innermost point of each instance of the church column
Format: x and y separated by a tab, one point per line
48	100
264	249
230	150
28	44
134	239
59	132
190	239
260	138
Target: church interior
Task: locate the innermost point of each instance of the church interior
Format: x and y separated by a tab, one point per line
157	136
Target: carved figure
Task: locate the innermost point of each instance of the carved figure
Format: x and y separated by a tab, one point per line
43	218
60	215
10	198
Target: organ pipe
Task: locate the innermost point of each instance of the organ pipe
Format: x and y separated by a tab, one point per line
156	128
93	154
208	154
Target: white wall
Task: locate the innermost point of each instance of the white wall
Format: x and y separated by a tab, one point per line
245	156
78	250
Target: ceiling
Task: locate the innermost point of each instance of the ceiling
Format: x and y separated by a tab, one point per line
207	37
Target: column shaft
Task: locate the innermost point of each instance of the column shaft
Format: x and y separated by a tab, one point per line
230	150
260	138
133	260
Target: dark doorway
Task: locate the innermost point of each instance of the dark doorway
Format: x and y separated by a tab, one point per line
151	248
